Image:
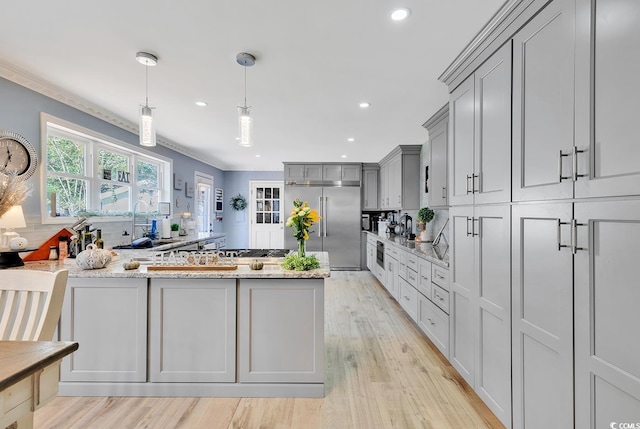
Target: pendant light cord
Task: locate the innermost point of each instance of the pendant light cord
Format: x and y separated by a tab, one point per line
146	85
245	87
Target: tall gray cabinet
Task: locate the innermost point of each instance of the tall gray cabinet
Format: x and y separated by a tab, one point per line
546	266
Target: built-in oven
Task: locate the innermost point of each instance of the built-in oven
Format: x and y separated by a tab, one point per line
380	253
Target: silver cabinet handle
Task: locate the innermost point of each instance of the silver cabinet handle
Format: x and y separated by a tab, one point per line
444	192
560	176
407	298
469	177
560	245
574	236
575	163
473	183
473	227
431	321
469	219
324	217
321	211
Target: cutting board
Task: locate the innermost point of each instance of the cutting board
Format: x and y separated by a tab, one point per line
192	267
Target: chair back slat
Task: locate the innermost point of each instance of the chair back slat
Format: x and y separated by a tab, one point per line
30	304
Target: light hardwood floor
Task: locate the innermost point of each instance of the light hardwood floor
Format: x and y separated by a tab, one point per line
381	372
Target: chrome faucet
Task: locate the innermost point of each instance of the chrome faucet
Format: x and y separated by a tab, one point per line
133	222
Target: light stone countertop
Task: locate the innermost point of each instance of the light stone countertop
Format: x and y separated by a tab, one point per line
116	270
438	255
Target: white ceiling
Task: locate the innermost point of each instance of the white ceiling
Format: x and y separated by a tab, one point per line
315	62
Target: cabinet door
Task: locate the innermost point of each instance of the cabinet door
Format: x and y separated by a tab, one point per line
370	200
392	279
492	180
108	317
332	172
463	296
543	82
351	172
384	186
294	172
607	94
542	325
606	313
493	277
313	172
461	135
281	330
192	330
395	182
438	167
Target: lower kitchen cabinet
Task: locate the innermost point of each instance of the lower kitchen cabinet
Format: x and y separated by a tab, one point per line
607	331
281	331
434	322
391	282
191	330
480	302
542	326
108	318
408	298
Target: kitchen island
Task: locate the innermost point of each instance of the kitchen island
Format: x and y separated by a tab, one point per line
239	333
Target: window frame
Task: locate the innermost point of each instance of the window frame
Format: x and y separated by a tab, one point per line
94	142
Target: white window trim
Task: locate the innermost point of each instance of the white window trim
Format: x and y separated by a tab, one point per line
96	140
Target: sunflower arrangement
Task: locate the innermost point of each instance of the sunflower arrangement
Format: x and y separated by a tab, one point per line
300	221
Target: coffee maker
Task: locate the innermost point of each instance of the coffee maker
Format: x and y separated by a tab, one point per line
406	227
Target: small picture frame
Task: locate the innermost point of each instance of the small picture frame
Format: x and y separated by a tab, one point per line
188	190
178	182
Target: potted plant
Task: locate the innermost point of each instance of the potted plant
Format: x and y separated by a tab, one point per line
175	228
425	215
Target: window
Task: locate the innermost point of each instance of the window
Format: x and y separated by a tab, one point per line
87	173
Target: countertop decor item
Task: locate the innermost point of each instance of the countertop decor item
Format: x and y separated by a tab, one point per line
238	203
425	215
296	262
93	258
13	190
301	219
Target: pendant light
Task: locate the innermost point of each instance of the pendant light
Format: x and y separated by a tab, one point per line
147	128
245	121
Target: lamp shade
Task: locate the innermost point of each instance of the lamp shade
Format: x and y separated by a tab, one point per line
245	127
147	129
14	218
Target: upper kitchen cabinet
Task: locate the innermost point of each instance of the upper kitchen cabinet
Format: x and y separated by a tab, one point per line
480	137
399	184
543	105
370	186
302	172
607	154
437	126
341	172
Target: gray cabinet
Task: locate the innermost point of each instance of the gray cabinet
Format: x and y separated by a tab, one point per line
115	349
542	325
302	172
480	139
370	186
399	184
607	385
281	331
191	322
437	126
543	105
391	282
340	172
607	93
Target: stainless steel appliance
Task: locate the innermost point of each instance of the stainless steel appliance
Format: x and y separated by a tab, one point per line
366	222
380	253
338	232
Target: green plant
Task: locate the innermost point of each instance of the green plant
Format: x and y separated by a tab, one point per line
425	215
175	227
300	263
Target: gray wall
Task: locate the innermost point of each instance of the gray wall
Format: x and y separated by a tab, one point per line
237	223
20	110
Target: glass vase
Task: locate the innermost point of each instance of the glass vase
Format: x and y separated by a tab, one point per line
301	246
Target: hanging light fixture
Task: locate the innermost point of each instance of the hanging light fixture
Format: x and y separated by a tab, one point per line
245	121
147	128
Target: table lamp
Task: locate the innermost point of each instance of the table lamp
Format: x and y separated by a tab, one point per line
14	218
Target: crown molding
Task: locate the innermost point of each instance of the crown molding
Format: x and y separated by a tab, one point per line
29	80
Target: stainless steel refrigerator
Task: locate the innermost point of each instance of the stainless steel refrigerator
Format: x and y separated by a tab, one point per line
338	232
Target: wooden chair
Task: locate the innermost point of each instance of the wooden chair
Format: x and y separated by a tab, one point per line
30	304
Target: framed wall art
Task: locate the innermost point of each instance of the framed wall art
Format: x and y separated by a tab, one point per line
178	181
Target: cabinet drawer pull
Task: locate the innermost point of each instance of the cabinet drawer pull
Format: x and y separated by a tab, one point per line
431	321
574	236
560	245
467	184
560	176
473	183
407	298
469	234
444	192
575	164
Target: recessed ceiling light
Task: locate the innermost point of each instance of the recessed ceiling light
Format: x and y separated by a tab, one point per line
202	103
365	104
258	156
237	138
351	139
400	14
343	156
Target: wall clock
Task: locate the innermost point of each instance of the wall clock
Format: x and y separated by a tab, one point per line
17	155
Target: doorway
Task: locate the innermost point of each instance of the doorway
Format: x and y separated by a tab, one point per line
266	228
204	202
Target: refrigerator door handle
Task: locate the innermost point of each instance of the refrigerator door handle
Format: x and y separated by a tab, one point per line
324	217
321	213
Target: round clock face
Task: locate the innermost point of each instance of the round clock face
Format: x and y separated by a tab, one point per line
17	155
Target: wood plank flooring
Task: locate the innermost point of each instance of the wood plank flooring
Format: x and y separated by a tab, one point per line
381	372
